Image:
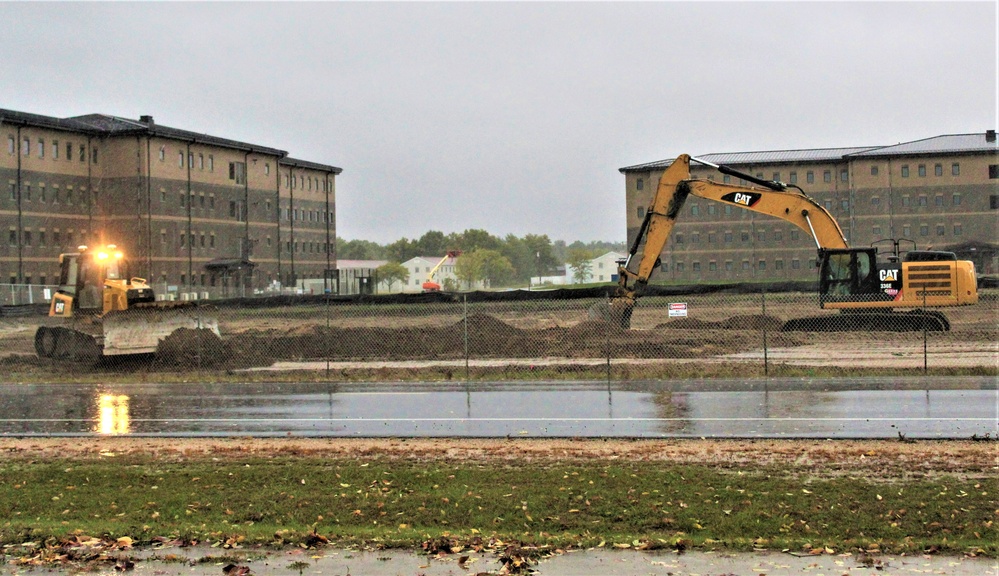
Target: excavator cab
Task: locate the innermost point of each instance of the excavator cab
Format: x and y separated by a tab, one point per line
848	275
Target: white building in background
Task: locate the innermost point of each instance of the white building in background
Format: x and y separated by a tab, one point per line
602	269
419	272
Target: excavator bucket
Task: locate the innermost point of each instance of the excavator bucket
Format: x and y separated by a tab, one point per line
140	330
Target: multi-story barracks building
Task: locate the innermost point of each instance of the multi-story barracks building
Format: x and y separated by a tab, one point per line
940	192
192	212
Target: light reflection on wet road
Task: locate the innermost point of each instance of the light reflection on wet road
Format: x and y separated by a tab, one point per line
781	408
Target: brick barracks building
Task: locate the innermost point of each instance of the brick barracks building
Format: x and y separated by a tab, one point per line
192	212
941	192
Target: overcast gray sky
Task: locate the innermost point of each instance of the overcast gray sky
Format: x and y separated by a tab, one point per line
510	117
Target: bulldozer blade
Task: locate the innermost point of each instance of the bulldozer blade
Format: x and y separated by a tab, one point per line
140	330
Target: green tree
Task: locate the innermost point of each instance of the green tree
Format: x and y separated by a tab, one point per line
579	261
392	272
359	250
486	265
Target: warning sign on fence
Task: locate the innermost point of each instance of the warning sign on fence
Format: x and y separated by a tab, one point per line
677	309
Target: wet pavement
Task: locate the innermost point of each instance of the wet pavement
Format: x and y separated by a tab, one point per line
206	561
957	407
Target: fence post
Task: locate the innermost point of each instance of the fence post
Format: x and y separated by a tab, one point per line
464	300
925	362
766	359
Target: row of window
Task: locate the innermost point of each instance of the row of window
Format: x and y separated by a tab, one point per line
54	148
44	194
844	175
778	235
730	266
42	237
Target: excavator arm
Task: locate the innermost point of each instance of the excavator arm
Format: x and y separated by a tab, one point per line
770	198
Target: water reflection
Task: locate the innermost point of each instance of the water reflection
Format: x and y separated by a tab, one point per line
112	414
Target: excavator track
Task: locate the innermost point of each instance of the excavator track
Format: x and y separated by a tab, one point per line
66	344
875	321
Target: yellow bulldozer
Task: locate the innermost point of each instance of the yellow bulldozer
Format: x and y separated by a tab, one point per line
106	312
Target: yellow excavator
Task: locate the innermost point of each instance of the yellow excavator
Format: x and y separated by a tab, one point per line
106	312
853	280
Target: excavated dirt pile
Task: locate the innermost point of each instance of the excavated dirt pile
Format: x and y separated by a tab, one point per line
488	337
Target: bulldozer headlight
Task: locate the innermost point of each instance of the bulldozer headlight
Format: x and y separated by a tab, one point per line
102	255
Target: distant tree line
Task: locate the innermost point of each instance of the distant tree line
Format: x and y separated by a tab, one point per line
511	260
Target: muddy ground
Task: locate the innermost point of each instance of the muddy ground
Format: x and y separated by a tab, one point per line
874	459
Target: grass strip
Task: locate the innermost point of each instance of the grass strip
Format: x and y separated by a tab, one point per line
406	503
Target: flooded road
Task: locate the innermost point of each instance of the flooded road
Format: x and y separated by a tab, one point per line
774	408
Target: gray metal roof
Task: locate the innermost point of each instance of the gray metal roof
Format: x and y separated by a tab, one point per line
296	163
951	144
946	144
105	125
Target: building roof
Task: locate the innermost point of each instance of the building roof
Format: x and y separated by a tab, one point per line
106	125
946	144
955	143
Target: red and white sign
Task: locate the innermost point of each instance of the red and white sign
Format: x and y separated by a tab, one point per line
677	309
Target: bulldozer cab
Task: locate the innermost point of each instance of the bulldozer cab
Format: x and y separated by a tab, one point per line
82	276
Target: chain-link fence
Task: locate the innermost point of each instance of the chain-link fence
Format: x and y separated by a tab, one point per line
25	294
692	336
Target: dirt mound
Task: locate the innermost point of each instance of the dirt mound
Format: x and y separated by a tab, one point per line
484	325
189	348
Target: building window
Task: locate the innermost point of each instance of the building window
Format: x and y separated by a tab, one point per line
11	145
712	209
938	200
957	229
211	163
876	231
183	239
794	177
211	241
874	170
827	176
906	230
762	265
678	267
190	159
905	201
712	266
993	171
180	159
162	153
810	177
728	236
938	169
728	208
726	179
827	203
83	153
237	172
55	149
12	239
641	212
745	264
695	210
956	200
941	229
640	184
201	161
922	170
875	201
844	205
267	168
955	169
711	237
183	200
744	236
26	146
697	266
994	202
776	176
728	265
905	171
922	200
26	236
924	230
679	240
94	155
844	175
